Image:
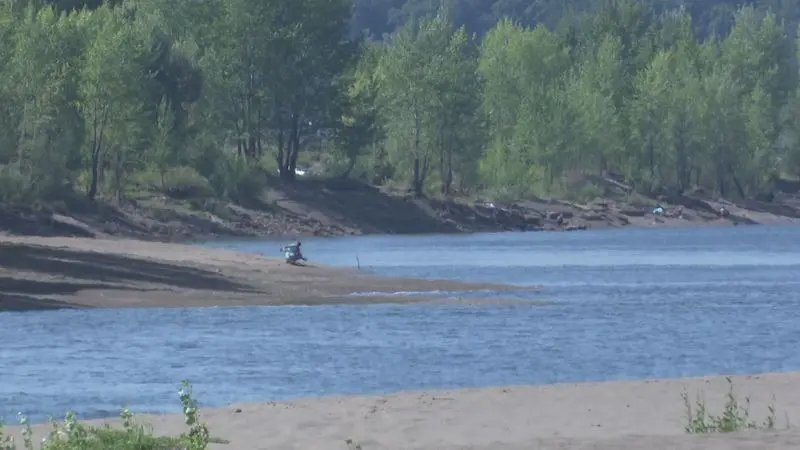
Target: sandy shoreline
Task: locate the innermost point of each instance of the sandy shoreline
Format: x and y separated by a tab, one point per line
622	415
46	273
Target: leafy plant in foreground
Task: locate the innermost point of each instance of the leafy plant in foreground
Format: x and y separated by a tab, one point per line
734	417
72	435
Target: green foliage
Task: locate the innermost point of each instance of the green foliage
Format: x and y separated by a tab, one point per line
429	99
13	185
215	98
73	435
529	121
177	182
360	124
735	416
236	179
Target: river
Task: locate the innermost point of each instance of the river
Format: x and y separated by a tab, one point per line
618	304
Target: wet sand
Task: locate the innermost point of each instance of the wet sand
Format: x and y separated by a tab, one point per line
627	415
41	273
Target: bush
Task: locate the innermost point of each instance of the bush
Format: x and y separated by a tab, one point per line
734	416
72	435
186	182
13	185
178	182
236	179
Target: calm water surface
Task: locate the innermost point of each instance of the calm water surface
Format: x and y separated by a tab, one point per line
623	304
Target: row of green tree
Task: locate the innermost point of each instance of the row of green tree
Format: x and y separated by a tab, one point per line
378	18
218	95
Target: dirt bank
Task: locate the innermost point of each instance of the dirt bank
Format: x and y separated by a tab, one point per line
630	415
42	273
329	208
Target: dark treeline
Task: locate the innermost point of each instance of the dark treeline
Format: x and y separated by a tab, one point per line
214	96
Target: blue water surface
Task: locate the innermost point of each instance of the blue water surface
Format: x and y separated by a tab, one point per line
622	304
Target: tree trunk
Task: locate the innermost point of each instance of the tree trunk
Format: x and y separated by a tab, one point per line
118	184
350	166
281	149
289	163
252	142
95	163
416	181
721	156
424	172
293	159
449	179
97	145
445	161
98	126
739	187
259	128
442	168
680	162
442	171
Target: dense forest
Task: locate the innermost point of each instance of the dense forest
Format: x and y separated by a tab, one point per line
507	97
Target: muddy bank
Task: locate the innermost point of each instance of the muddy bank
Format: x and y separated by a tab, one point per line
332	208
47	273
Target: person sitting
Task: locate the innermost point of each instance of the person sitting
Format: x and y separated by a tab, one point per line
293	253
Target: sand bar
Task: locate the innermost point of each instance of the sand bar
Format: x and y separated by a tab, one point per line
39	273
613	415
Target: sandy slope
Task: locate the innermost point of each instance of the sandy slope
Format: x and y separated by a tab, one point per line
614	415
38	273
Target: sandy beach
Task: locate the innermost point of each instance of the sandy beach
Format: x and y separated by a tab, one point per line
633	415
58	272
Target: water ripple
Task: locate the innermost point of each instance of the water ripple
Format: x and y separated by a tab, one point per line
685	316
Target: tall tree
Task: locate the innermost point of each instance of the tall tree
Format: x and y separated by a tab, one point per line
48	46
529	119
430	99
111	93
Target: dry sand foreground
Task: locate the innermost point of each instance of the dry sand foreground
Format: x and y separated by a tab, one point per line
629	415
39	273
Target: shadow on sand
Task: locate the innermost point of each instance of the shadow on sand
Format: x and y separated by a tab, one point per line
90	270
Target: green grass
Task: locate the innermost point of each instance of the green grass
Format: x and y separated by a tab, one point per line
72	435
735	415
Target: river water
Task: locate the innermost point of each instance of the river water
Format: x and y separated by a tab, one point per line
619	304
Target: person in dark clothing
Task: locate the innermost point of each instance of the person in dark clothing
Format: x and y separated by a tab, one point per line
293	253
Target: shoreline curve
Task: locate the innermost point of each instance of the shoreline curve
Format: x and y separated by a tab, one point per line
39	273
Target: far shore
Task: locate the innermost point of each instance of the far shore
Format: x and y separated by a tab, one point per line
50	273
619	415
349	207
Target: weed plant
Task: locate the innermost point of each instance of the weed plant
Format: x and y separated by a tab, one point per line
735	415
72	435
